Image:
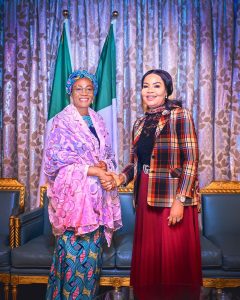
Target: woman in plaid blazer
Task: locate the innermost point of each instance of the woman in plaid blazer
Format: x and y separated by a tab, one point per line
166	260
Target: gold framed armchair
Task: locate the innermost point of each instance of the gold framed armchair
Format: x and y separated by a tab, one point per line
221	231
32	257
12	195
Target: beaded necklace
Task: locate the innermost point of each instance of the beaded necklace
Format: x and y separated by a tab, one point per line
89	123
88	120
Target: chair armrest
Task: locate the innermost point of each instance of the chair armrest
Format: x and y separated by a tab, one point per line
211	253
28	225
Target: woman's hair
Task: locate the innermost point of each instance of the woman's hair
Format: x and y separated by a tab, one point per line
167	79
81	74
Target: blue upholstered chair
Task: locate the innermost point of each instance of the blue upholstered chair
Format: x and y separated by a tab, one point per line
117	273
11	203
32	257
221	234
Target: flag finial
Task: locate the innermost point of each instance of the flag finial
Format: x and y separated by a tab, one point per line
115	14
65	13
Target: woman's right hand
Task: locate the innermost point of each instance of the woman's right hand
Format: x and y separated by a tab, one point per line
107	180
103	177
176	213
119	178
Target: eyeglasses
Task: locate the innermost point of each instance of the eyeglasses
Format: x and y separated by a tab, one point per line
80	90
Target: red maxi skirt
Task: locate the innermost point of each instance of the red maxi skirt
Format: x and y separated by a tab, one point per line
166	261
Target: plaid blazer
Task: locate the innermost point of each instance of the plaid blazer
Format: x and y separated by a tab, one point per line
174	159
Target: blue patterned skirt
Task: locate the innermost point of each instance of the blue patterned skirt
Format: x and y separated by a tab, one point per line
76	266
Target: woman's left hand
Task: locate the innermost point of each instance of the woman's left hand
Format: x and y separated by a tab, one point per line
176	213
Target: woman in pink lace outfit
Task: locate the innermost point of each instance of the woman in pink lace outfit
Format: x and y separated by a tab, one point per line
81	212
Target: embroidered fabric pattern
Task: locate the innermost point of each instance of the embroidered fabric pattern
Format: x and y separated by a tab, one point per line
155	110
147	137
150	124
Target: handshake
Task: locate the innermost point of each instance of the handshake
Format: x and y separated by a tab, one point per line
109	180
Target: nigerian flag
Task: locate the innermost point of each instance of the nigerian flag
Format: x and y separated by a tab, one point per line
63	68
59	98
105	101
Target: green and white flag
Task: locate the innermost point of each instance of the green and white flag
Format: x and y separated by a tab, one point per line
105	102
63	68
59	98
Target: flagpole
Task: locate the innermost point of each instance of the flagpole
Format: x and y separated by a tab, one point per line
113	20
65	13
106	101
115	143
115	14
58	100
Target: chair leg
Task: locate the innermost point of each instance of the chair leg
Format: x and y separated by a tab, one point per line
14	292
117	293
116	289
219	294
6	291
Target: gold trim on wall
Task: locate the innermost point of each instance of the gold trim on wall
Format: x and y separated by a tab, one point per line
222	187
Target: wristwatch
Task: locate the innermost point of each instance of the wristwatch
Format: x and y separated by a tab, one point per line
180	198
